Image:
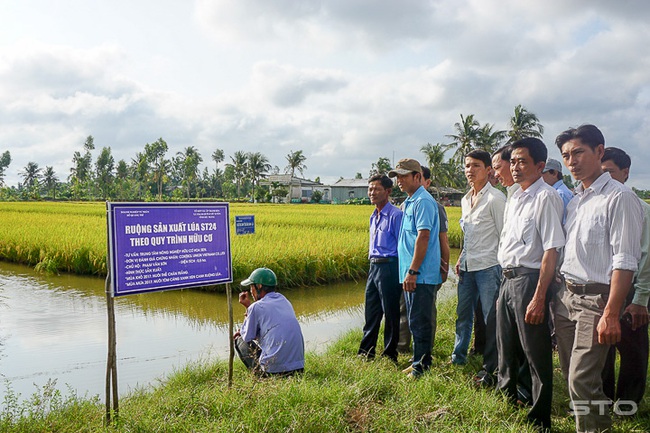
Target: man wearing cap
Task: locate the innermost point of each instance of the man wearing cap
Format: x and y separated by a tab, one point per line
418	250
270	341
552	175
383	289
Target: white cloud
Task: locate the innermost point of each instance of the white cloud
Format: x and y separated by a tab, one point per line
346	82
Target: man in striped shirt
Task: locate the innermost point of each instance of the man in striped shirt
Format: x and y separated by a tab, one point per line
603	226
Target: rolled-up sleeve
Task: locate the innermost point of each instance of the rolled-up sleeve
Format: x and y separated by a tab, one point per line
626	226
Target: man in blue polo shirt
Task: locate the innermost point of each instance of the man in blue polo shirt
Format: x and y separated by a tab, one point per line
418	250
383	289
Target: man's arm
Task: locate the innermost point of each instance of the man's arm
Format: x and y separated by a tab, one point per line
638	309
444	255
537	305
421	246
609	326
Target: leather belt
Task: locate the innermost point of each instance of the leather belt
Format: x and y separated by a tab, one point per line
376	260
588	289
510	273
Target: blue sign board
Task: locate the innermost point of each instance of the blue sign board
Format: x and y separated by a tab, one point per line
244	224
163	246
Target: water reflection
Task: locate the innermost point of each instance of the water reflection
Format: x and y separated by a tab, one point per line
56	327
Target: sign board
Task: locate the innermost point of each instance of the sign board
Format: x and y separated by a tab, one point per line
244	224
163	246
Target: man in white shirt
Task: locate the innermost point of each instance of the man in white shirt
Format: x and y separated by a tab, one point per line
603	225
479	273
633	347
528	253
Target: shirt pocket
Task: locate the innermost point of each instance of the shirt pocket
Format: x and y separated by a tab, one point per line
409	222
593	231
526	230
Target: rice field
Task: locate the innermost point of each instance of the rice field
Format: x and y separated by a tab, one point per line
304	244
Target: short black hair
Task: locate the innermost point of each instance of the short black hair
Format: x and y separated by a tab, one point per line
587	134
536	148
386	181
504	152
481	155
618	157
426	173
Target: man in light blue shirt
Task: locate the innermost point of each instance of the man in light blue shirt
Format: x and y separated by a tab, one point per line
270	341
418	251
552	175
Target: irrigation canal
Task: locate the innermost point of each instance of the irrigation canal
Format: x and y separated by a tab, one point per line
54	328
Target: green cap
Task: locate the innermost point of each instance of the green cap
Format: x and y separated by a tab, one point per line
263	276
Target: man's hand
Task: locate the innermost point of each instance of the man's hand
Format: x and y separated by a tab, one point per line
458	267
609	329
535	312
409	283
444	270
639	315
244	299
236	335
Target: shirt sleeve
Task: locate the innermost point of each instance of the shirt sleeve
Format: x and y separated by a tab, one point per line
642	283
249	329
497	210
396	222
444	223
426	215
549	222
626	226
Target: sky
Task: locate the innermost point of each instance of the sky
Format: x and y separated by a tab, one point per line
345	81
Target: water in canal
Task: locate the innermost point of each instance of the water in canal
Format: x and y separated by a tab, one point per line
55	327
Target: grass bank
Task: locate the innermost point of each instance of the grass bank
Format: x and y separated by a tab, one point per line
304	244
337	393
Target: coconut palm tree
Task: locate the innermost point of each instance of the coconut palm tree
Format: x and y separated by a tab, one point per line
441	171
258	166
31	175
489	140
467	133
238	166
50	180
189	161
296	161
218	157
524	124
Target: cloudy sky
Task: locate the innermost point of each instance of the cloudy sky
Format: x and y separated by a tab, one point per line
346	81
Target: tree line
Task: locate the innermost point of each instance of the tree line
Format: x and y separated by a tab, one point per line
152	174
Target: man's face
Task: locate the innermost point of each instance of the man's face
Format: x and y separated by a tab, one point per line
614	171
475	171
550	177
582	161
524	170
377	194
502	170
409	183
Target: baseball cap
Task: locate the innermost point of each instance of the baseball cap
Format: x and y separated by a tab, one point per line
553	164
405	166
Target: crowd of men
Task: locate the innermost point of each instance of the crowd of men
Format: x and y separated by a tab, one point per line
544	266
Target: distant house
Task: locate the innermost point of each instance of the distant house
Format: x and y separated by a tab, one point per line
299	190
345	189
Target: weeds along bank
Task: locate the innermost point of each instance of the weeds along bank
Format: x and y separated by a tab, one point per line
304	244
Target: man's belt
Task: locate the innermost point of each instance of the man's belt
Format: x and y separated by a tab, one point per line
376	260
588	289
515	272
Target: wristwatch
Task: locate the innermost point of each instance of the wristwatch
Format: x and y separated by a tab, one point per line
412	272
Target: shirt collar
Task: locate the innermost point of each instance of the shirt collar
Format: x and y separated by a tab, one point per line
384	210
415	194
531	190
596	185
558	184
